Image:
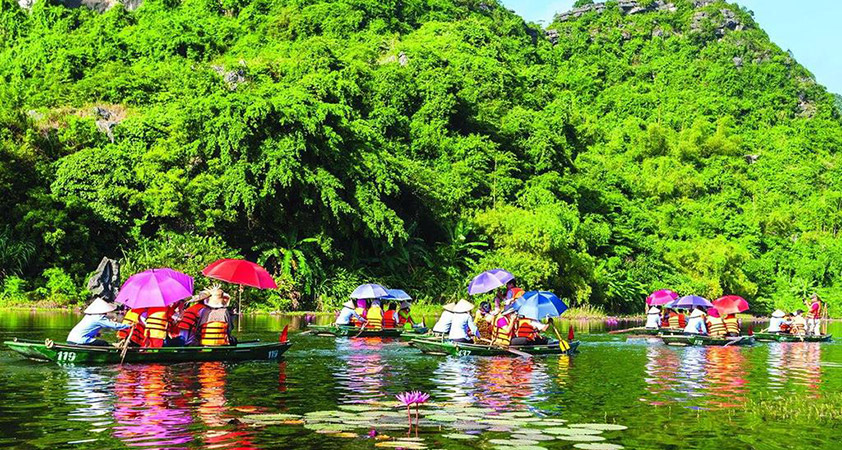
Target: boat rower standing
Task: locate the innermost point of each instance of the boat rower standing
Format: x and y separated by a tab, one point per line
814	316
88	329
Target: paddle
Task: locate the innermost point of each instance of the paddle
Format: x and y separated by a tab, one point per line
362	328
517	352
126	344
562	344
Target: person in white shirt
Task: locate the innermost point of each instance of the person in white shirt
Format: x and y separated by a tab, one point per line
442	326
696	323
778	319
462	327
653	318
347	313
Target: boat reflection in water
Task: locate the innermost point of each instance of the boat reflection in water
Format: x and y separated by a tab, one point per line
727	377
796	363
213	411
145	412
361	377
89	391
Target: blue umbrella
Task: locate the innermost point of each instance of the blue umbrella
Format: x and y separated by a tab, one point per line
489	280
539	305
369	291
690	302
397	294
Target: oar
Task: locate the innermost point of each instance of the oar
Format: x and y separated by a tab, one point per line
126	344
362	328
562	344
517	352
733	341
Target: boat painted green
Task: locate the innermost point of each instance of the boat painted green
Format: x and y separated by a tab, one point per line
632	332
779	337
445	347
350	331
686	340
89	354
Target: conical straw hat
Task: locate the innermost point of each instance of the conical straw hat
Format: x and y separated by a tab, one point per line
778	313
463	306
100	306
448	307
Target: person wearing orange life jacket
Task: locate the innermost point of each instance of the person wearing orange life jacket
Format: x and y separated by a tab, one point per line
404	317
157	326
674	319
375	316
529	331
732	325
361	310
503	328
136	320
390	316
215	320
188	325
715	324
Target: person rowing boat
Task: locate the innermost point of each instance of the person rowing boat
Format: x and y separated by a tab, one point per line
462	327
445	321
88	330
348	315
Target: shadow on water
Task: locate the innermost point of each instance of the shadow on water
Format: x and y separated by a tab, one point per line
669	397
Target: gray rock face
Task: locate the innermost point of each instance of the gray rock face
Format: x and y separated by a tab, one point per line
106	280
751	159
738	62
628	7
552	36
727	21
107	119
96	5
233	77
403	59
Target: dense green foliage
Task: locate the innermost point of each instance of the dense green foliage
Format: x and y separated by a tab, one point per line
416	142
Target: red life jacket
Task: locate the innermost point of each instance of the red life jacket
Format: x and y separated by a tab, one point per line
389	319
403	317
682	321
526	330
133	318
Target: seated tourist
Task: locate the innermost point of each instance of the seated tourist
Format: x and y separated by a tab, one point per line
696	324
653	318
96	319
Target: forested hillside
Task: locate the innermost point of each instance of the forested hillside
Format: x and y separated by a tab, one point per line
415	142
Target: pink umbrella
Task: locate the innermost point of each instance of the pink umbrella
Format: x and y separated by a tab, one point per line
731	304
155	288
661	297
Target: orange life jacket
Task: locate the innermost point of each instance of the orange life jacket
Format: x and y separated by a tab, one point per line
502	335
716	327
389	319
133	318
190	320
682	321
213	334
674	321
526	330
731	324
665	322
157	323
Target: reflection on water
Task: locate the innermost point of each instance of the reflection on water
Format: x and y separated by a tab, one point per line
195	405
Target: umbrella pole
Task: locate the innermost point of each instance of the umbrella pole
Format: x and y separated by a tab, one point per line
240	309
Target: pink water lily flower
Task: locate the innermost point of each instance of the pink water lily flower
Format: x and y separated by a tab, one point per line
413	398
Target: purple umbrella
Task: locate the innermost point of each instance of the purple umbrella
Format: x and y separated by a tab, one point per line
689	302
155	288
489	280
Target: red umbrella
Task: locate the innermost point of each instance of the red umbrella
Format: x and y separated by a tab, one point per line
240	271
661	297
731	304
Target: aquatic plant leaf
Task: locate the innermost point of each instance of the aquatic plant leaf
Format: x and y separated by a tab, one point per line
442	418
357	407
402	444
460	436
598	446
572	431
533	436
581	438
516	414
599	426
346	435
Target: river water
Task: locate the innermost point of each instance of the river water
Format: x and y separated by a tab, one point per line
669	398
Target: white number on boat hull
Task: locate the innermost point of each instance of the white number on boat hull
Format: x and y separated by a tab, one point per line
273	354
464	352
66	356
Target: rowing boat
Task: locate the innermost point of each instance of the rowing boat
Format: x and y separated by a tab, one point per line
685	340
779	337
350	331
89	354
444	347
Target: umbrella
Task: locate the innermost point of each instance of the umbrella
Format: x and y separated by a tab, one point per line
155	288
240	271
397	294
689	302
731	304
539	305
489	280
369	291
661	297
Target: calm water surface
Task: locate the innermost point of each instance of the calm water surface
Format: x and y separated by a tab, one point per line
670	398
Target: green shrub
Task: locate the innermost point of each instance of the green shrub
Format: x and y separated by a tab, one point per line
60	289
13	291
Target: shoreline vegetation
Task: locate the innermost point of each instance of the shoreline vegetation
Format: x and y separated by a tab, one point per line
613	152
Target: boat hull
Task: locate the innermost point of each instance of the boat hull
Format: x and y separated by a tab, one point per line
773	337
650	332
690	340
87	354
339	330
444	347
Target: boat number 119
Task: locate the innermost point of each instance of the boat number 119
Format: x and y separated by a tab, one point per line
67	356
273	354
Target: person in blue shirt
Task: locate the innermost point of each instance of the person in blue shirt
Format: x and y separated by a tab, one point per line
88	329
463	327
347	313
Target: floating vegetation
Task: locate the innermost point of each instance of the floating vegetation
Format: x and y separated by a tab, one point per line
460	436
408	445
513	442
533	436
598	446
572	431
581	438
599	426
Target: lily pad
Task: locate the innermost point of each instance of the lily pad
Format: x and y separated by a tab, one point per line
402	444
357	408
599	426
519	447
572	431
513	442
346	435
533	437
582	438
598	446
516	414
442	418
460	436
551	422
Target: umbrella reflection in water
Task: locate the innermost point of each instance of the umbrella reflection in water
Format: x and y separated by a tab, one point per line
361	377
213	411
726	368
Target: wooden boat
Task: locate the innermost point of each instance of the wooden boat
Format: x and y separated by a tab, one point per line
89	354
416	333
780	337
686	340
351	331
445	347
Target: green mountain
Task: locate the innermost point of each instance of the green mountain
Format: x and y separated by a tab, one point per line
628	147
